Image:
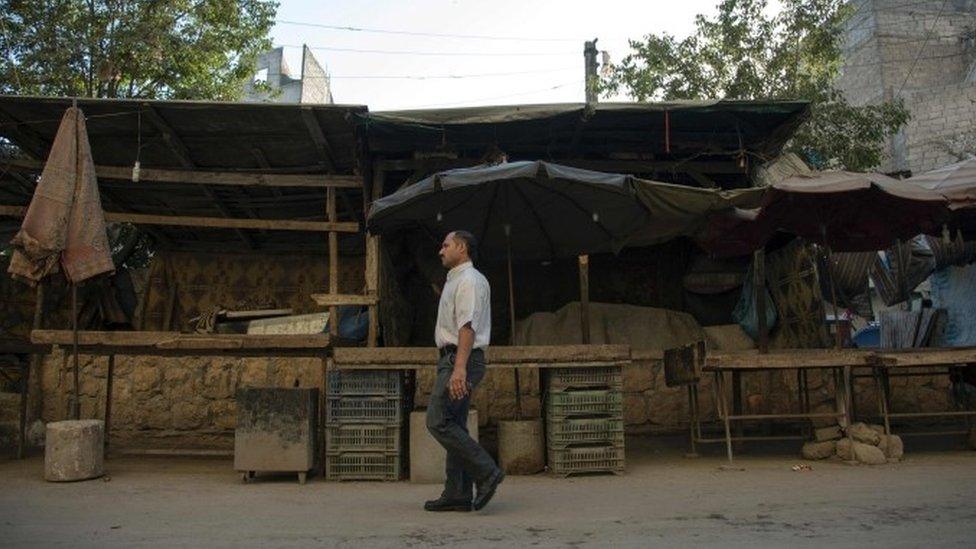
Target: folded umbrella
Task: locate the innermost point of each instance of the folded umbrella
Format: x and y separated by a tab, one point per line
64	225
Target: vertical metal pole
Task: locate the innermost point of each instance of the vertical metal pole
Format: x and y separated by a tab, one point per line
109	377
724	412
759	286
584	279
511	319
76	405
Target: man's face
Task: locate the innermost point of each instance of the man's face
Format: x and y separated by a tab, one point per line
452	251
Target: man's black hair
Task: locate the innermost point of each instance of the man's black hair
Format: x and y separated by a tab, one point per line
470	242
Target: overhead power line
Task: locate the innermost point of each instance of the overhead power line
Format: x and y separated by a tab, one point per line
429	34
440	76
438	53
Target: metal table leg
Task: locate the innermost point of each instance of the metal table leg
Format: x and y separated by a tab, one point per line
25	382
724	412
109	376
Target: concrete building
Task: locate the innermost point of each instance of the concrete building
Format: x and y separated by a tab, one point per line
274	82
923	52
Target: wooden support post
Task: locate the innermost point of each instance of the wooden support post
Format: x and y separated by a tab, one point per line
330	208
759	286
737	405
109	375
373	260
34	363
584	278
323	402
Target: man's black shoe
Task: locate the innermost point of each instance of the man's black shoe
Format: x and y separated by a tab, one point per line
487	489
443	504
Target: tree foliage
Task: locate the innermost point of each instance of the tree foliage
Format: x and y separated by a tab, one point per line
746	52
154	49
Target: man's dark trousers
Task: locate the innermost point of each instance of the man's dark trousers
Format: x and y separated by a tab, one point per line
447	421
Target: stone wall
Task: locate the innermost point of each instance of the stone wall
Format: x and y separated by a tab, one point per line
943	126
921	52
166	402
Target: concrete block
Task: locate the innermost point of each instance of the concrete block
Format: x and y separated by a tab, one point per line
427	457
868	454
860	432
74	450
276	429
521	446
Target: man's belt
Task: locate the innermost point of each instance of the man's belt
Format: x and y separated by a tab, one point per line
448	349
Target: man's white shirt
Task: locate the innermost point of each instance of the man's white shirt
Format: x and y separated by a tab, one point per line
466	297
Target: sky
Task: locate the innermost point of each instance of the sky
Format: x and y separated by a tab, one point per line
546	69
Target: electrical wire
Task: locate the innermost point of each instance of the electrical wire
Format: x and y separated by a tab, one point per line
921	49
435	53
478	100
429	34
438	76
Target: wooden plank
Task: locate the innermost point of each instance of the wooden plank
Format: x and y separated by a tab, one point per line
933	356
182	153
332	300
372	273
330	212
495	365
212	222
787	359
205	177
176	340
318	137
513	355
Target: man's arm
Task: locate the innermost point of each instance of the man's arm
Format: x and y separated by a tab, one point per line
458	385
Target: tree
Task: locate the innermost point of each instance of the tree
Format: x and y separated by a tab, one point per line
153	49
747	53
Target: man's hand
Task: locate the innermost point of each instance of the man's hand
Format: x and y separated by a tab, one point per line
457	386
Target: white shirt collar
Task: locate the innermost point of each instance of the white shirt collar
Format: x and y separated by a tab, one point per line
456	270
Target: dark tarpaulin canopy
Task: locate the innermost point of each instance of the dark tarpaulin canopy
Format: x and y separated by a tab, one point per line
550	210
678	128
847	211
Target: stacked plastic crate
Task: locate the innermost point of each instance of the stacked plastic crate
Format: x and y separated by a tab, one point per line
584	420
364	430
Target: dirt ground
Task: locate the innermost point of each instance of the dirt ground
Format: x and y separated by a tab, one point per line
664	499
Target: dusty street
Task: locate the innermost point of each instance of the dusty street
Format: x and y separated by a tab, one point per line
663	500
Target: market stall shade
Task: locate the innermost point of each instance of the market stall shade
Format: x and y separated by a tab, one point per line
846	211
956	183
540	210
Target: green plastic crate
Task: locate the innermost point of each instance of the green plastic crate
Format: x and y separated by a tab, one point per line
363	466
363	437
575	432
364	409
584	403
365	382
586	459
564	379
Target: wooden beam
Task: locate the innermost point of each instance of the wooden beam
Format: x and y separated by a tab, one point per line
263	163
212	222
372	273
182	153
204	177
318	137
330	210
528	354
332	300
176	340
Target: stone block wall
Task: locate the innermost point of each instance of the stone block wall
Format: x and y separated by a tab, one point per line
918	51
943	126
188	402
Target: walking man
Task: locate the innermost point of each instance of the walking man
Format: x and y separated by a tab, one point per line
462	333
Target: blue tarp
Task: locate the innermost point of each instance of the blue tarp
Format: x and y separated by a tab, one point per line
954	289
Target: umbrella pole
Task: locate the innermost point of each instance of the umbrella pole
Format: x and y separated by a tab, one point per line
511	318
833	289
76	405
